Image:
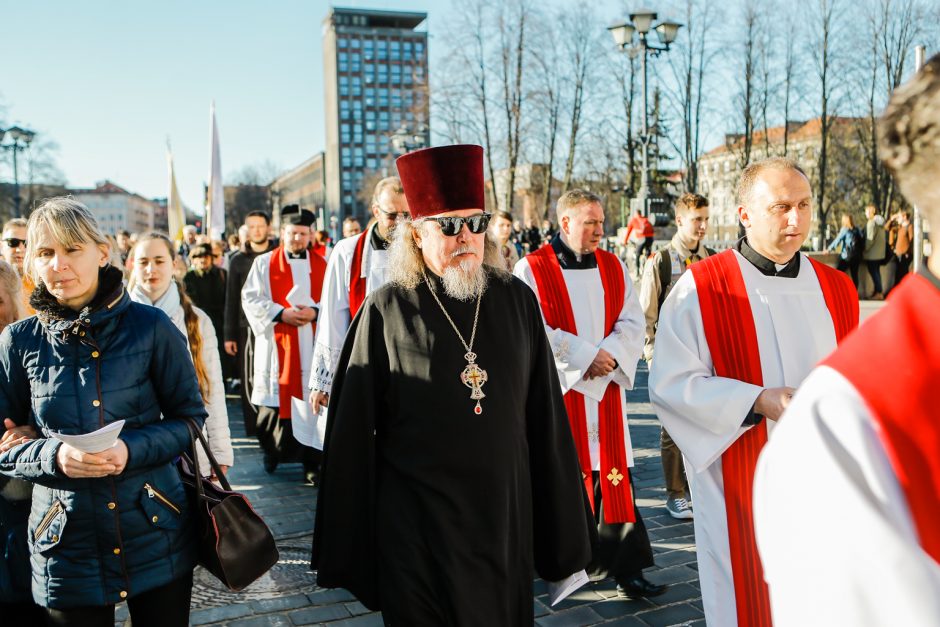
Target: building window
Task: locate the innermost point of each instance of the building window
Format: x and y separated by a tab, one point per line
342	42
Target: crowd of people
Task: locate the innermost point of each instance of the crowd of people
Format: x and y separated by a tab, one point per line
472	377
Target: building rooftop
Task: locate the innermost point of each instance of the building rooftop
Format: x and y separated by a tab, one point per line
799	131
375	18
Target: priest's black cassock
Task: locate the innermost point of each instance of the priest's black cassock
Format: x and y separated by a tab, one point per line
427	511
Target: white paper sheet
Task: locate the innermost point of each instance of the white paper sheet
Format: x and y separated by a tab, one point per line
94	442
299	296
309	428
559	590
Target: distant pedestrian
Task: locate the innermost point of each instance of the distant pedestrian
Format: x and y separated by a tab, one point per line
114	525
351	226
875	249
851	244
501	229
205	283
239	340
640	231
901	242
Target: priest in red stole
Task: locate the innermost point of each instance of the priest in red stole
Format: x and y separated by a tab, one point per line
357	267
596	329
850	480
280	299
449	474
737	335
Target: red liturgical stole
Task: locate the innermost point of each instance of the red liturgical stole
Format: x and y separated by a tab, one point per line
289	380
555	301
357	282
732	342
894	364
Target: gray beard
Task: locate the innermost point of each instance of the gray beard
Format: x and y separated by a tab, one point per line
464	283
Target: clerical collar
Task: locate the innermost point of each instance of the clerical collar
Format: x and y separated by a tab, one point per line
568	259
301	255
927	274
765	265
376	240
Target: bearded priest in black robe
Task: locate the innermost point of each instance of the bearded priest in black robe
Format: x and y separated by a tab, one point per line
449	476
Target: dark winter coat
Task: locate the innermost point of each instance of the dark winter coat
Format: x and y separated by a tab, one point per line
98	541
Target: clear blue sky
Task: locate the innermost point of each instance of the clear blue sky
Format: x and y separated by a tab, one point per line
109	81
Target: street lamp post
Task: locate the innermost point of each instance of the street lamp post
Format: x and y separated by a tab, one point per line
21	139
641	22
404	140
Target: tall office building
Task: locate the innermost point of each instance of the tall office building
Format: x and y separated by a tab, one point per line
375	83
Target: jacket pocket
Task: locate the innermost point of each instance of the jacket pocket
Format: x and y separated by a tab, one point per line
48	532
161	511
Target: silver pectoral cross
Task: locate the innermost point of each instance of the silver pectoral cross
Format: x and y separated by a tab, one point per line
474	377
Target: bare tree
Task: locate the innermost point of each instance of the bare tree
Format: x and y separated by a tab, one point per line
743	143
581	49
513	19
826	20
689	63
546	97
791	63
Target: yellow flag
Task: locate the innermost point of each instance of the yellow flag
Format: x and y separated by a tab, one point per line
174	206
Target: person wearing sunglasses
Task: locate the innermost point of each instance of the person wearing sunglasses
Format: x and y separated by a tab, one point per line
357	267
449	474
13	251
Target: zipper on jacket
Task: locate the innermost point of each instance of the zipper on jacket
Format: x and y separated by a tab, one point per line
54	511
153	493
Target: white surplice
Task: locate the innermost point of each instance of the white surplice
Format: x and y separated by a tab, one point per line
574	353
703	412
260	310
334	314
834	529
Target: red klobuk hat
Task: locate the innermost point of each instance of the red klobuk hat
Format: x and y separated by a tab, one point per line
441	179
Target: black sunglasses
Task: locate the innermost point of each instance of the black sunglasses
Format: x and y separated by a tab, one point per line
394	216
452	225
14	242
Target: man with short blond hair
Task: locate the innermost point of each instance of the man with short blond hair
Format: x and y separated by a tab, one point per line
737	334
356	268
662	271
595	327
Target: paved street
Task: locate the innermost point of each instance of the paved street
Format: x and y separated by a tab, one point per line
288	596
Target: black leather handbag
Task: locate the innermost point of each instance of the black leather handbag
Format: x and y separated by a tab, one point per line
234	542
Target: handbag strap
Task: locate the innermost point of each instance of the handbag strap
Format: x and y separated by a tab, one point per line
196	433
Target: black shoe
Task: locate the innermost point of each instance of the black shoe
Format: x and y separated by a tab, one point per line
639	587
270	463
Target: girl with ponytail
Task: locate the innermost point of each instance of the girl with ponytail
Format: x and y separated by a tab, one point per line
153	283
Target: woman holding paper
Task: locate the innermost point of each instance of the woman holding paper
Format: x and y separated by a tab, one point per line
152	283
105	525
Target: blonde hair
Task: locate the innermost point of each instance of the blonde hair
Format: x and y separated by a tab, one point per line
12	284
407	265
190	317
574	198
68	221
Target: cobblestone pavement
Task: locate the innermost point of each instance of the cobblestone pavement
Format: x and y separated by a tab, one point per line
288	595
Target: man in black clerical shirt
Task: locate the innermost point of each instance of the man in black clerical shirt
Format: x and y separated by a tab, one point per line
239	342
449	474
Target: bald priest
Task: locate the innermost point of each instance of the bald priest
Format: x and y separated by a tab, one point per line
450	476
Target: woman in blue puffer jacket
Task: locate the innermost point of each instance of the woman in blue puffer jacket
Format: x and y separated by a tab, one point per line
113	525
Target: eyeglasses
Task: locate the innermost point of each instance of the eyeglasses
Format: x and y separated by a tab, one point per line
452	225
15	242
393	216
